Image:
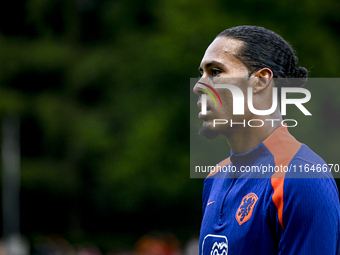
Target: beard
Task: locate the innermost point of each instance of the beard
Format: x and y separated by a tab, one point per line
208	133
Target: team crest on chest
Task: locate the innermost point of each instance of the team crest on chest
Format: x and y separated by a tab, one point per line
246	208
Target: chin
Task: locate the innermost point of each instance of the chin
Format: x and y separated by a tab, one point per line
208	132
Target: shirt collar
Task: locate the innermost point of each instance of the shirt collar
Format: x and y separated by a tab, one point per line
256	155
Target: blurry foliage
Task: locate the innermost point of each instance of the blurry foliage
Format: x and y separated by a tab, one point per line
102	91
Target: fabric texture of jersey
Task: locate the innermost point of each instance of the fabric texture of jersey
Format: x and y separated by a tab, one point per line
263	213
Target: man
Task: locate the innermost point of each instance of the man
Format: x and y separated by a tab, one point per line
275	212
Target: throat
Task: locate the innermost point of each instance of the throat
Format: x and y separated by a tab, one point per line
243	140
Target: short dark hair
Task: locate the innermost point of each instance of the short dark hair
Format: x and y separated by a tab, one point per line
265	49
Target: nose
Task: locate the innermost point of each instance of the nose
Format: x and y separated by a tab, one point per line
197	89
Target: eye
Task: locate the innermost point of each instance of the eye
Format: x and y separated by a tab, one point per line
200	70
215	71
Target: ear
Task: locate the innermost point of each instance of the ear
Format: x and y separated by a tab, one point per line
265	77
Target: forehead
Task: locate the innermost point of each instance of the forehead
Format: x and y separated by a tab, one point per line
223	50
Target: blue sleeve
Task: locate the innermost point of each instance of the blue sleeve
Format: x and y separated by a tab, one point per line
310	217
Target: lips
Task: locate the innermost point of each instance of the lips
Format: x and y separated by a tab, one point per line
200	114
199	105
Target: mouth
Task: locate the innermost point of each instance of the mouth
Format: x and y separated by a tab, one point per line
201	115
199	105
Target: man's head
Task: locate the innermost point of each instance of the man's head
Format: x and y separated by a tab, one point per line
265	49
246	56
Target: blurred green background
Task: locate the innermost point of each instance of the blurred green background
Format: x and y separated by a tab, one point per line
102	88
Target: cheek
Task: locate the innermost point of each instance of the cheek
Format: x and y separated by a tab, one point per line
227	103
227	108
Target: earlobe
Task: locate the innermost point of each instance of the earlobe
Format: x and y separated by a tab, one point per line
264	78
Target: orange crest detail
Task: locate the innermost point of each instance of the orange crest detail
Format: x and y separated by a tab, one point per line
246	208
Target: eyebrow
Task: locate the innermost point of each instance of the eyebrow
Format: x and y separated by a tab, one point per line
210	63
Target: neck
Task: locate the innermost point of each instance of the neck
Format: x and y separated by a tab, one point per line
243	139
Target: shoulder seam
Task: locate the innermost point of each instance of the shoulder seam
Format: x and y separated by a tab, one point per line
223	163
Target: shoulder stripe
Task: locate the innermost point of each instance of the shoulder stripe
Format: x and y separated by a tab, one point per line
283	146
223	163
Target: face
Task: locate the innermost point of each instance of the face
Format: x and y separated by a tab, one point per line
221	66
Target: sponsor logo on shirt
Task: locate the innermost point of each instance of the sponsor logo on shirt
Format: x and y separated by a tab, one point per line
215	245
246	208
